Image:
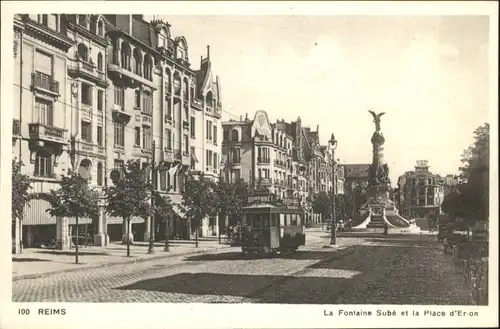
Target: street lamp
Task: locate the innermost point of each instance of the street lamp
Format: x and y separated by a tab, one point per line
333	145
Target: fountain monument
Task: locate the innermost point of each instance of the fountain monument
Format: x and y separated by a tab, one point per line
379	209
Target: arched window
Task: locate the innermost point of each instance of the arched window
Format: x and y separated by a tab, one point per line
125	56
100	28
209	99
83	52
137	67
43	164
99	62
235	135
100	173
148	68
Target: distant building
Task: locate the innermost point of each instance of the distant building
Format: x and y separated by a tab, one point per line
420	192
355	175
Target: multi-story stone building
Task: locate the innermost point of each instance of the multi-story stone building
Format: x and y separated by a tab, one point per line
42	114
94	91
248	151
420	192
284	157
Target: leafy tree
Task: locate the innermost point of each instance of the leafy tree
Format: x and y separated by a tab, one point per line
231	197
199	198
130	195
20	195
322	204
475	176
162	210
74	198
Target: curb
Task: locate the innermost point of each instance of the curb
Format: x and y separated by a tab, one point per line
97	266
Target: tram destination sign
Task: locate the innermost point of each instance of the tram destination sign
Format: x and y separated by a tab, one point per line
261	198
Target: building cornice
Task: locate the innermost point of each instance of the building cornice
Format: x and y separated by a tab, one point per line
51	36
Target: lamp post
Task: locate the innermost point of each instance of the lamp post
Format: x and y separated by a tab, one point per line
151	246
333	145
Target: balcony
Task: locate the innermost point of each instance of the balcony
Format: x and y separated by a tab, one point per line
118	72
87	71
197	104
44	83
48	133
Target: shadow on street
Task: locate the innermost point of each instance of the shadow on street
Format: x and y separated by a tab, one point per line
72	253
238	255
23	260
216	284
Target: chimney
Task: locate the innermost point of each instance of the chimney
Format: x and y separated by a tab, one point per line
241	118
208	52
246	116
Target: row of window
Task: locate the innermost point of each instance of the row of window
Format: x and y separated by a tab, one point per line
211	132
144	101
212	159
421	181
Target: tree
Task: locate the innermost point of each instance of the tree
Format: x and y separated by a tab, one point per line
129	196
199	198
20	197
74	198
162	210
231	197
475	176
321	203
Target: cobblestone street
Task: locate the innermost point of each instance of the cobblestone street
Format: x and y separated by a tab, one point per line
373	270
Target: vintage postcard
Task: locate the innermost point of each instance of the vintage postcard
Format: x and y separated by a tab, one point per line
249	164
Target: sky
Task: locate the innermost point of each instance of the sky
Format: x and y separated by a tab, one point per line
428	73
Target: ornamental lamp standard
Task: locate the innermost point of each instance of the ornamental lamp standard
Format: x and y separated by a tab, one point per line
333	145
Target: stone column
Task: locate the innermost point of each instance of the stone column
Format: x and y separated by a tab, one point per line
99	237
124	232
147	229
63	238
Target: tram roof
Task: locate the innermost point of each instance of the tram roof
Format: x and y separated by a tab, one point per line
271	208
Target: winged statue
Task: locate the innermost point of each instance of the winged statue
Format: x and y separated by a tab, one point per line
376	119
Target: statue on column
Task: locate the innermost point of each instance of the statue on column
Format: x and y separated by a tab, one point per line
379	171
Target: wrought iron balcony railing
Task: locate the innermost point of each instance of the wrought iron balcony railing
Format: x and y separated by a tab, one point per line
44	81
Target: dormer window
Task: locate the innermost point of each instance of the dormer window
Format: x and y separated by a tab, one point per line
100	28
180	53
83	20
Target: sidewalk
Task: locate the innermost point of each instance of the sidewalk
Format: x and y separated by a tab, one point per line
34	262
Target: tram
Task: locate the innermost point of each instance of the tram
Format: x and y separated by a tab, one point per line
271	226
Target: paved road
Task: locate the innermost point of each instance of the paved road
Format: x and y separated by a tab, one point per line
394	270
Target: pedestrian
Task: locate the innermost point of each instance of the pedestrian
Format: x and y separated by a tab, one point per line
349	224
386	229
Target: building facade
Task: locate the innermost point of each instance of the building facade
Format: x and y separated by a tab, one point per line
94	91
420	192
285	158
